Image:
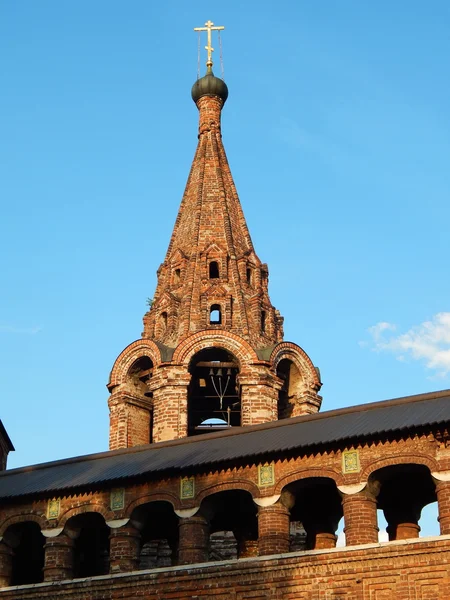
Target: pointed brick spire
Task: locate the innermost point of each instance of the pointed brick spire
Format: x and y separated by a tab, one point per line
211	277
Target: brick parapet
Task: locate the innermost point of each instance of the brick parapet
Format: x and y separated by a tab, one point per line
403	570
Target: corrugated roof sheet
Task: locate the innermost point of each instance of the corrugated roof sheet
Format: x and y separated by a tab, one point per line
362	421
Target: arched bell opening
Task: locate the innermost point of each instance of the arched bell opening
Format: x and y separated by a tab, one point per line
291	389
158	526
404	490
233	525
91	544
139	375
213	394
315	514
26	543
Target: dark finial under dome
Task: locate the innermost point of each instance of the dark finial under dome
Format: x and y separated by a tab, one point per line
209	85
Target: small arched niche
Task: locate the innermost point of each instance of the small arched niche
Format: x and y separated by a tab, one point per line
292	380
213	393
214	272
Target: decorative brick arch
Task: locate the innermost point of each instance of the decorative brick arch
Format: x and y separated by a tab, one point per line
153	497
23	518
405	459
103	510
127	357
301	360
308	474
214	339
243	485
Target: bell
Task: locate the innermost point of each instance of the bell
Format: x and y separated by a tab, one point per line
219	372
211	372
228	372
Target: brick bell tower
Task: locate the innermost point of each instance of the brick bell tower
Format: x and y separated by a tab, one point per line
212	354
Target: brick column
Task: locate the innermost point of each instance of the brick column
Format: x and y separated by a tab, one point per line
360	518
247	540
259	396
170	387
443	498
124	549
325	540
320	522
193	545
306	403
273	529
129	420
6	557
58	562
402	522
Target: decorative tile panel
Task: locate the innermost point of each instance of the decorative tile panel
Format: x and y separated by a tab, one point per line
350	461
53	508
117	499
266	475
187	488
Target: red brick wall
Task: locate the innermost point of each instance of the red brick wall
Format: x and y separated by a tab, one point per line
418	570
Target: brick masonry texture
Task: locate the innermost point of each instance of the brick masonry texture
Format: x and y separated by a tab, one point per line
401	571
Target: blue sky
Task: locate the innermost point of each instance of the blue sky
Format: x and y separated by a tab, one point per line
337	130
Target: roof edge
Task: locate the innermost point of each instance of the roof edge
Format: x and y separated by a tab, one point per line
233	431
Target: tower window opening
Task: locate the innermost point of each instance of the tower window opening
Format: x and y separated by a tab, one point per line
263	320
249	276
214	270
215	315
176	276
164	320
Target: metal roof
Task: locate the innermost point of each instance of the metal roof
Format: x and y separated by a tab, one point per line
362	421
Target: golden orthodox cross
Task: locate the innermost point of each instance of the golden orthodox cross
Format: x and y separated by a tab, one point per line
209	26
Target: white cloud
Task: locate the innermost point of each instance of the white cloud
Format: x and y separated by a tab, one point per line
428	342
19	330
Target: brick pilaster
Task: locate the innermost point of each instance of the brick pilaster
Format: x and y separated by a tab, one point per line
443	498
58	563
273	529
125	545
193	545
360	518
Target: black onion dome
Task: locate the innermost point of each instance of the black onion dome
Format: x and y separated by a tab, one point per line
209	85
